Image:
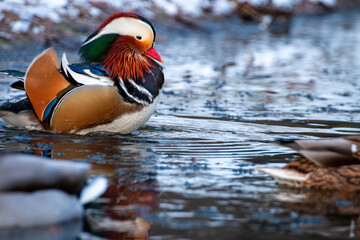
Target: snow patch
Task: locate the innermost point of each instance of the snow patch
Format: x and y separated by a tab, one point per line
287	3
223	7
326	2
38	30
32	12
94	11
20	26
169	7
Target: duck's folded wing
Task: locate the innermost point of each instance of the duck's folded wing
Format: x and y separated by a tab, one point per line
85	73
328	152
88	106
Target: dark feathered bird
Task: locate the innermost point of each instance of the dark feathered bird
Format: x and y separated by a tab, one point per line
331	164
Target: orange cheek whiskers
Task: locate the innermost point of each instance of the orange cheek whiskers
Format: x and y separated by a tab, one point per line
123	61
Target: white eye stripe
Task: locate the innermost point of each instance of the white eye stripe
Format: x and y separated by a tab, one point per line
125	26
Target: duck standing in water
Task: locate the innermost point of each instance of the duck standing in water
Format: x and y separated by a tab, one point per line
115	88
332	164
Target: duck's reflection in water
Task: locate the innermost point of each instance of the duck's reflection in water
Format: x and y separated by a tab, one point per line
309	212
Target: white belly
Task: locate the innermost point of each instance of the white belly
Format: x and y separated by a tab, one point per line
126	123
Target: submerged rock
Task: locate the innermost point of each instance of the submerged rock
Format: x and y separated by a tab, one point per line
38	192
39	208
20	172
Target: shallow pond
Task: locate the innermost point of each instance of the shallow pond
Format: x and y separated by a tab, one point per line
189	173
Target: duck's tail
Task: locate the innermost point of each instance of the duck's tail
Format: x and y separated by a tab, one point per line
14	73
20	114
17	74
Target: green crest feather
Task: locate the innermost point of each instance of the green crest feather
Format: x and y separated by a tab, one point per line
96	50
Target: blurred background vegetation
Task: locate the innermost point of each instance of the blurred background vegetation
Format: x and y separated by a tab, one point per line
50	22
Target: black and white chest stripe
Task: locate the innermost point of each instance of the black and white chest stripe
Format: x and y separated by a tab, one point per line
142	92
133	92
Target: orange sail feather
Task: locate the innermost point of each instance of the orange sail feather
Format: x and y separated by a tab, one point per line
43	81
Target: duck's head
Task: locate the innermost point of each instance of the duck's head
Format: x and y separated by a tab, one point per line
123	43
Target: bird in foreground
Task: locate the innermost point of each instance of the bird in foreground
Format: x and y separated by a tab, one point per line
114	88
332	164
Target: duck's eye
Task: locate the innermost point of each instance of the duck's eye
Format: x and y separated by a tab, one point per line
138	37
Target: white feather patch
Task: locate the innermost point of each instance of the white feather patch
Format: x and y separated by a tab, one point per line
354	148
88	79
94	188
284	175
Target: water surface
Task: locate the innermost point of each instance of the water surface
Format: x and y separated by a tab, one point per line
189	173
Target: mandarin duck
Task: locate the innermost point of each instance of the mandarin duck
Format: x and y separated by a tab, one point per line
332	164
114	88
